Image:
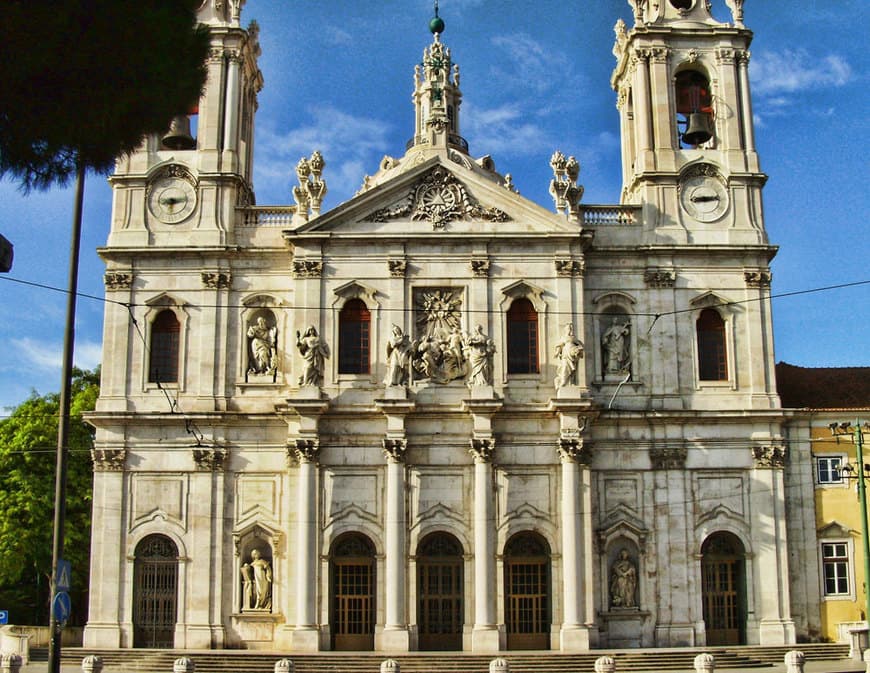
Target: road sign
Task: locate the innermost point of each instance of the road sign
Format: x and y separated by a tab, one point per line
64	574
61	607
4	616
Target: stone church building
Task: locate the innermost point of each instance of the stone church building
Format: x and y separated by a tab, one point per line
442	416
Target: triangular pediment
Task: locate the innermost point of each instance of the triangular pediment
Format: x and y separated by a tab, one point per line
436	197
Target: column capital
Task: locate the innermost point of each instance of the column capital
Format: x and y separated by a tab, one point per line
304	450
482	449
209	458
573	449
668	458
771	457
394	449
109	460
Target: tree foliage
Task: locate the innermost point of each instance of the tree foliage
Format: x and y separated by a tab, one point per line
28	450
88	79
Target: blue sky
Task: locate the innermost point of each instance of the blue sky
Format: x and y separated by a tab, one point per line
535	78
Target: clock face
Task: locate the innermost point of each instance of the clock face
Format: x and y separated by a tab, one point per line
171	200
704	198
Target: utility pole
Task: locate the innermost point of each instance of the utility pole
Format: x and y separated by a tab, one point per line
55	624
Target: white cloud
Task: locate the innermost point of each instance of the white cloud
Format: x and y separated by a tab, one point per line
348	144
48	356
40	354
794	70
502	130
532	65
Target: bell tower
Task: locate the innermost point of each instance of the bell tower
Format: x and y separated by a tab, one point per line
182	187
688	150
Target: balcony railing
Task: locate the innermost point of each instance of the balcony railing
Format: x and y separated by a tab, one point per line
609	216
267	216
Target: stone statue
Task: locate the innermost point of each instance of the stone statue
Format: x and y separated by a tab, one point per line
247	586
398	358
314	351
478	351
256	583
623	582
262	340
568	353
614	345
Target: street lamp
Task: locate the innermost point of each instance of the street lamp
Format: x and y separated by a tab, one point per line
861	473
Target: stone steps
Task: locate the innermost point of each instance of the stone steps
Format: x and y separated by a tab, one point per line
242	661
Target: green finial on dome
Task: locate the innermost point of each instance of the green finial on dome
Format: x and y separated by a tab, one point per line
436	25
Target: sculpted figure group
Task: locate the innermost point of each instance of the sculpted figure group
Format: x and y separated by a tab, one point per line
440	358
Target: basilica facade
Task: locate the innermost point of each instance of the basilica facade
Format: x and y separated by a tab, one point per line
441	416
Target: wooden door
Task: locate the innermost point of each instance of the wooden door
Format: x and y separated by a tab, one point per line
722	590
353	594
155	592
527	593
440	605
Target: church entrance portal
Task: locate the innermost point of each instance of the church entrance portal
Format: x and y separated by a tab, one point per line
155	592
527	592
352	614
724	589
440	593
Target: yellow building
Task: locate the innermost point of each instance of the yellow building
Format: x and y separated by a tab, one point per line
824	401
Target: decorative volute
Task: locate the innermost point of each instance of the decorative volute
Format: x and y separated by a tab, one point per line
437	96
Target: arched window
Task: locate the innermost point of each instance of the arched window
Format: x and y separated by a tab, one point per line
694	108
163	360
354	327
712	351
522	336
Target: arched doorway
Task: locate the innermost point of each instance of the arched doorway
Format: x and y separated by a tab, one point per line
527	592
723	592
155	592
440	605
352	582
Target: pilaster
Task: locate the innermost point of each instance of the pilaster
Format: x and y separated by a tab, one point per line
303	448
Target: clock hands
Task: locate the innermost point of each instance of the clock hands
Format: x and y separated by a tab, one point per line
704	198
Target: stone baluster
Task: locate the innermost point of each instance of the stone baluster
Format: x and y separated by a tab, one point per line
11	662
183	665
705	663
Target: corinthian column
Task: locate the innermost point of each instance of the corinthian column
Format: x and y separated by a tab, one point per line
395	634
485	636
576	543
306	635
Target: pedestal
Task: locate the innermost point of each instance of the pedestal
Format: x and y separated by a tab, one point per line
393	640
306	639
486	639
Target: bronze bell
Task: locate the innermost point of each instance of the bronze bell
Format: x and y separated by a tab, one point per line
178	137
699	129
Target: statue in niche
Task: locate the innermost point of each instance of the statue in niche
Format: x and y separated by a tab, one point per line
479	349
314	351
262	342
614	346
398	358
256	583
568	353
623	582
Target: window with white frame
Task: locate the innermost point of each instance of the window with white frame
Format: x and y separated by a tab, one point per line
829	470
835	568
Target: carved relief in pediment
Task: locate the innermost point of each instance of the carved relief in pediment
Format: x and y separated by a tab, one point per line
438	198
